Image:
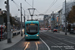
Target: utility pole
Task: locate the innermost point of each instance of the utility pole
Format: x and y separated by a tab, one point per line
24	16
8	24
53	21
65	20
59	23
24	21
21	17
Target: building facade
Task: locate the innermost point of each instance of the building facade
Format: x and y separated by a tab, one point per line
46	22
41	23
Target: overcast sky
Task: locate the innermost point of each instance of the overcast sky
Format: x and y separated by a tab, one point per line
42	6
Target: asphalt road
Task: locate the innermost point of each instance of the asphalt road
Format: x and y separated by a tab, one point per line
48	41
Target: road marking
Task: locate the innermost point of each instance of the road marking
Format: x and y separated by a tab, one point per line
26	46
45	44
36	46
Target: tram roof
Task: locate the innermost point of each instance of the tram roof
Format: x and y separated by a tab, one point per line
37	22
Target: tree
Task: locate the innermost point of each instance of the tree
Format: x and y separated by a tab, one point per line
12	19
71	15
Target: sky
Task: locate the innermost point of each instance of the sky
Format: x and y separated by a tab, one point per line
41	6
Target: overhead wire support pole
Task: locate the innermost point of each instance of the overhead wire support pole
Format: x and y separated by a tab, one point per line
8	24
21	17
21	8
58	23
53	20
65	20
24	21
24	16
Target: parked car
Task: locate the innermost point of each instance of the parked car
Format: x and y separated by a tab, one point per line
54	30
41	28
49	27
45	28
72	31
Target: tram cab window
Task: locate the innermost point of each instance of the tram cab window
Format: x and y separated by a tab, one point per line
32	28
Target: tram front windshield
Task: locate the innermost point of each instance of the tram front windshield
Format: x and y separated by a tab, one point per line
32	28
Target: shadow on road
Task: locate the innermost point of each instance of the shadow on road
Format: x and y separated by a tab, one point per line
33	40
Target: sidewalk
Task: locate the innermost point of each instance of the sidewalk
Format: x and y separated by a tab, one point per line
4	44
63	33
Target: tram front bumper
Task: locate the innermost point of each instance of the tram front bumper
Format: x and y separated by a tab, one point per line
32	37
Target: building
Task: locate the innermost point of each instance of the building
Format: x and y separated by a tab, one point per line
41	23
60	16
46	22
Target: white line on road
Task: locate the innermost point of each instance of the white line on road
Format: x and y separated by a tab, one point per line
26	46
36	46
45	44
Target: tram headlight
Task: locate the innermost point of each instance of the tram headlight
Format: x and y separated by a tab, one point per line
37	35
26	35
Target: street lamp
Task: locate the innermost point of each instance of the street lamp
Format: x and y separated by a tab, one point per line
21	17
65	20
24	21
8	22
